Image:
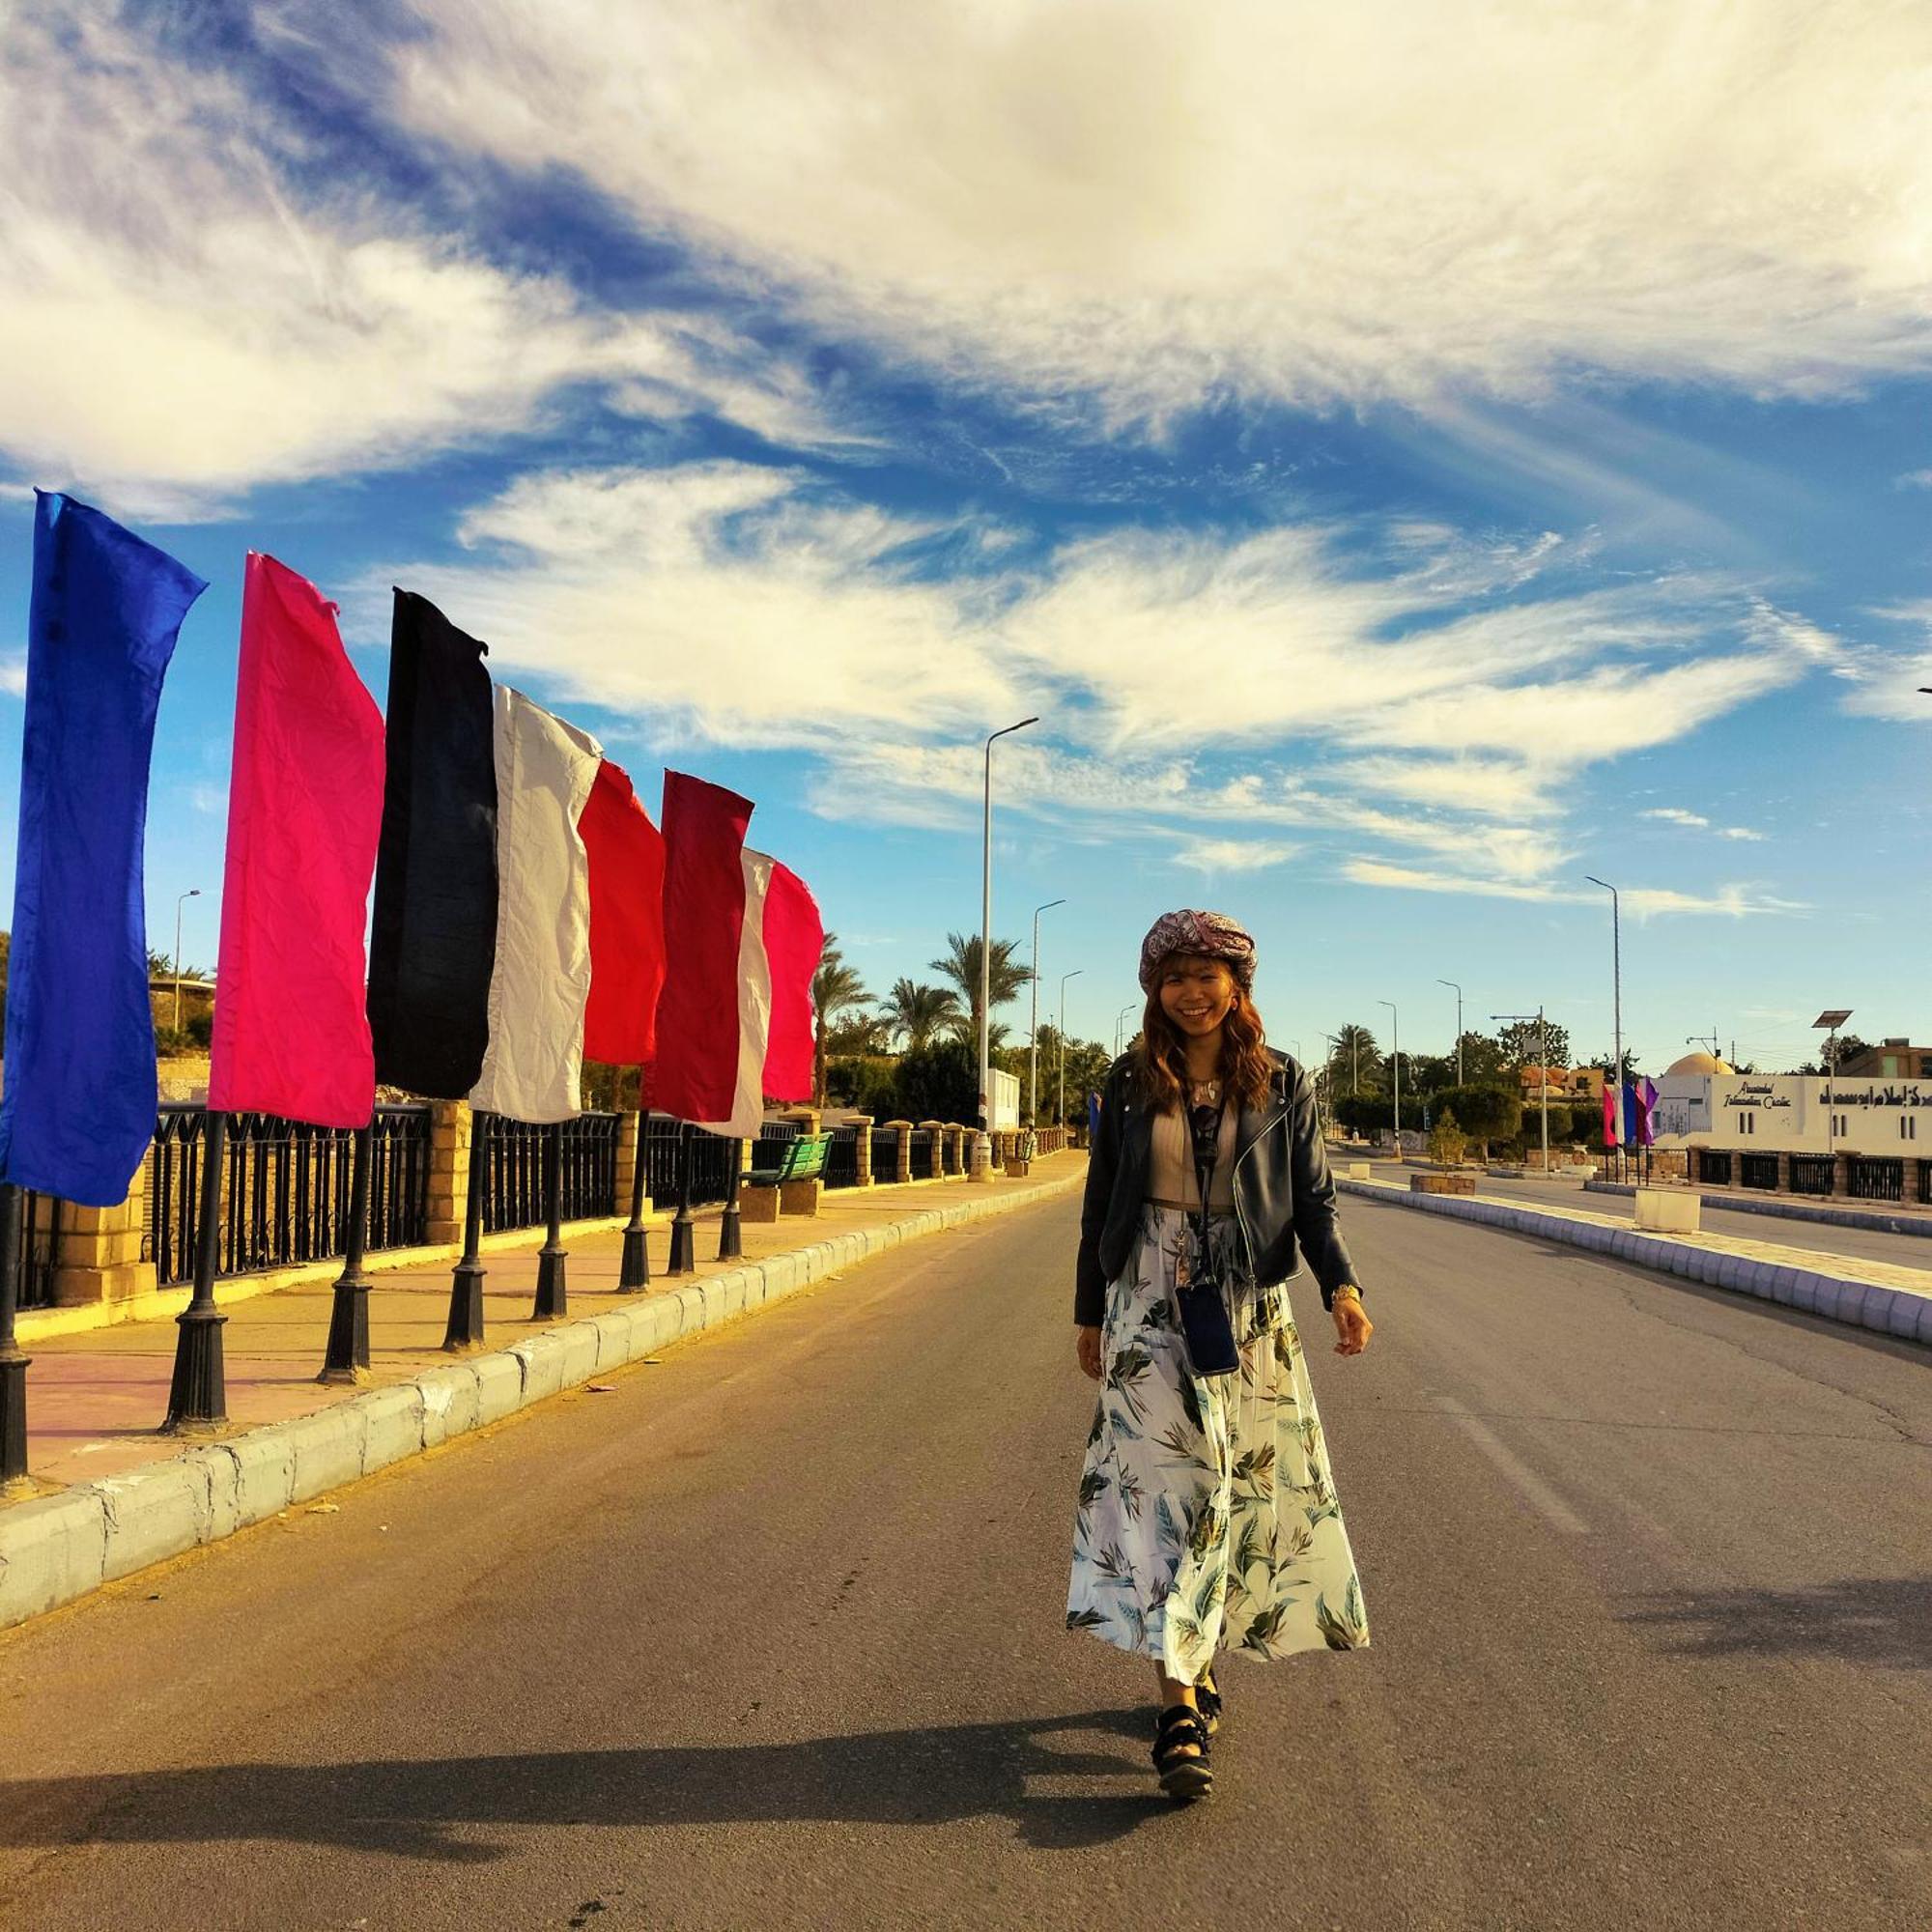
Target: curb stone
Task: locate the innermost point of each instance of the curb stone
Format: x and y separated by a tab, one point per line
56	1549
1898	1312
1782	1208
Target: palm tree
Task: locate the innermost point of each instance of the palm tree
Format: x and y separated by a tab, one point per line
1355	1055
916	1013
962	965
835	989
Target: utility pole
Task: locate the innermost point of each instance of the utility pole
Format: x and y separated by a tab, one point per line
1032	1036
1064	978
987	934
1395	1025
193	893
1459	1027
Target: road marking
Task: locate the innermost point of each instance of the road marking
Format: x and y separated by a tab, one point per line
1541	1496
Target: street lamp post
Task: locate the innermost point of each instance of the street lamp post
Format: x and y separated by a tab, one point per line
1616	1003
1064	978
1119	1019
193	893
1832	1019
1033	1036
1543	1056
1459	1027
1395	1029
986	933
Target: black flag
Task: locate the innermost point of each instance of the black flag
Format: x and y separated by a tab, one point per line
433	943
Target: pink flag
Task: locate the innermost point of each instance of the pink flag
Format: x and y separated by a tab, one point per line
305	812
1612	1110
794	943
695	1077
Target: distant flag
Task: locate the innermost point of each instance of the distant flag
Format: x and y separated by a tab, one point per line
78	1106
433	939
1647	1096
695	1076
794	936
1633	1120
533	1064
745	1115
1613	1114
305	812
627	942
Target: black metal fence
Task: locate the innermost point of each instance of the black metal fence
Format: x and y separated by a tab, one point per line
1713	1164
885	1154
513	1185
1758	1170
841	1159
1880	1179
710	1162
1812	1173
40	1249
286	1192
924	1154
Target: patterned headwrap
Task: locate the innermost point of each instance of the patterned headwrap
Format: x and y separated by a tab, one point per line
1211	935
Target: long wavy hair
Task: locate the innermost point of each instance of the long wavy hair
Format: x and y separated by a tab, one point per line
1160	1057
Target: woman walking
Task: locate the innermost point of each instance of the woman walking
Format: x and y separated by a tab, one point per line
1207	1518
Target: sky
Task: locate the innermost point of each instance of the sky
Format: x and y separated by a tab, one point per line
1410	458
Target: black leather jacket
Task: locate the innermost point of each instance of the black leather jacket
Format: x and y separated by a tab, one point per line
1284	1197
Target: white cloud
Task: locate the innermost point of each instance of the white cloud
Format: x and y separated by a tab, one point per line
13	673
1914	479
1164	205
180	324
1223	692
1234	855
1642	902
1673	814
1740	832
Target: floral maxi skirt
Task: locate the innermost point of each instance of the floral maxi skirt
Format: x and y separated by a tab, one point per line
1207	1518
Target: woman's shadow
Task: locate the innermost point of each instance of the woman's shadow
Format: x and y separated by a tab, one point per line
419	1809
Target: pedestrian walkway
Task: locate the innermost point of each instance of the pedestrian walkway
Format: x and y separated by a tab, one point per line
95	1398
1881	1296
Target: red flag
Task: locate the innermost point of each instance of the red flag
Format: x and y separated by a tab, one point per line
794	944
305	812
627	941
695	1077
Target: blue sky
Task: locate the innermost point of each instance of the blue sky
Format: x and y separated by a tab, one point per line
1406	470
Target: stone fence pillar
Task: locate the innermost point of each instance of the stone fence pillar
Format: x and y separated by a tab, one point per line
450	1136
935	1133
952	1157
100	1248
902	1157
1841	1175
628	1148
862	1128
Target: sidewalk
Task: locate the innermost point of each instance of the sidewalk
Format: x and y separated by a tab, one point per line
106	1478
1880	1295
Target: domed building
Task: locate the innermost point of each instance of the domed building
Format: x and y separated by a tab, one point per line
1700	1062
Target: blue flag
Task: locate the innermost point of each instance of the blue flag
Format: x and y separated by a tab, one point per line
78	1102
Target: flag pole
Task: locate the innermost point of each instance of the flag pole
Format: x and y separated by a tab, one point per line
14	1478
553	1302
636	1271
730	1235
198	1398
464	1329
683	1252
347	1357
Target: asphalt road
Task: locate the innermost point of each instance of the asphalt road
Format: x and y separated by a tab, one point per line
1912	1251
770	1637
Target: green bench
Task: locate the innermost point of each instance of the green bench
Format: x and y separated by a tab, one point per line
800	1166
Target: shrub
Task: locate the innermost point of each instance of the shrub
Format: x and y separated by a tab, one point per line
1445	1139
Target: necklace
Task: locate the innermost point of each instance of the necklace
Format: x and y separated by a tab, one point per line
1206	1092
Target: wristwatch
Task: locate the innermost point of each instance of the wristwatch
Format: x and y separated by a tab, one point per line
1349	1288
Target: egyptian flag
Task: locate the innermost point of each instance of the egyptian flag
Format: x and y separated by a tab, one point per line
1613	1114
533	1065
700	1026
794	941
305	812
627	941
78	1106
433	942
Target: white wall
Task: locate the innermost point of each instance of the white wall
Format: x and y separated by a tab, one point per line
1791	1114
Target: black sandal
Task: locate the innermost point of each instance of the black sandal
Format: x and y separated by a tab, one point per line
1184	1778
1207	1701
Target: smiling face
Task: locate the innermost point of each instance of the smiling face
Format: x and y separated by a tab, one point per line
1195	994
